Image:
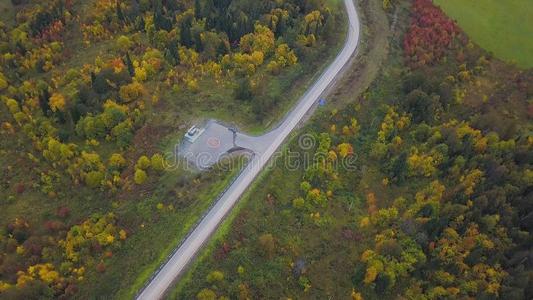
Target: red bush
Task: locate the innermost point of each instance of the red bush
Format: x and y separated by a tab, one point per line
53	226
63	212
96	247
223	251
20	188
430	34
52	33
33	246
71	290
100	267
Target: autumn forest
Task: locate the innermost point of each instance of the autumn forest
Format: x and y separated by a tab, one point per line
94	95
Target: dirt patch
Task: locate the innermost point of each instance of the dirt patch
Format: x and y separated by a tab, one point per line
374	50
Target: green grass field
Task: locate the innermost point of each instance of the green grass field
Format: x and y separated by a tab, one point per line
504	28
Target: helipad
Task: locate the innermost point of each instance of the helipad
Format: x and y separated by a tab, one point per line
216	141
209	147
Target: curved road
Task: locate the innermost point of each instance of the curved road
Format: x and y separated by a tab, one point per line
178	262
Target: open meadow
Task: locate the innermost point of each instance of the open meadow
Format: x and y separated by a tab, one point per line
504	28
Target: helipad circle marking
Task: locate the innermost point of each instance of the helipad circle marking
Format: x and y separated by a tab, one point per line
213	142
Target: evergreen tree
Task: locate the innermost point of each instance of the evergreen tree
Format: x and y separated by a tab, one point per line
222	48
161	21
140	23
185	33
197	9
399	167
280	27
198	46
173	52
120	14
129	64
44	95
209	13
93	77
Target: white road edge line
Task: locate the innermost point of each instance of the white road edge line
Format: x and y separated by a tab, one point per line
178	262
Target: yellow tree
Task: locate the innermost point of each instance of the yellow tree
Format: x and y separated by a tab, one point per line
3	82
371	202
421	164
314	21
116	161
143	163
157	162
57	102
131	92
285	56
345	149
262	39
140	176
206	294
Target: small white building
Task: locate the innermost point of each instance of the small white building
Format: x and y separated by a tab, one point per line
193	133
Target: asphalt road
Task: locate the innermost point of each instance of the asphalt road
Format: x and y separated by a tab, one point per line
178	262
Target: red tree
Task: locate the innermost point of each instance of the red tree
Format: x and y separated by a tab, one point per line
430	34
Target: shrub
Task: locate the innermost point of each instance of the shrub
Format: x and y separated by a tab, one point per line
117	161
94	178
63	212
206	294
143	163
298	203
123	43
140	176
131	92
215	276
267	243
158	162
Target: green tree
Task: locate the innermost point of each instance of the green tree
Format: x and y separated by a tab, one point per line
94	178
399	167
120	13
123	43
243	89
185	33
197	9
122	133
129	64
173	52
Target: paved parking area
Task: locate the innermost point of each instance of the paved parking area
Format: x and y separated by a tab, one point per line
209	147
216	142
